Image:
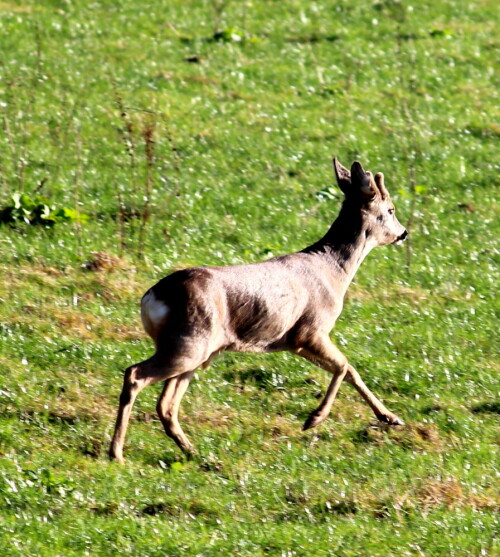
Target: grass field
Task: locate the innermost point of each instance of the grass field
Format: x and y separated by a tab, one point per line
180	133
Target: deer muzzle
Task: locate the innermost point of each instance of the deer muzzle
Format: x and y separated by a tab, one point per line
401	238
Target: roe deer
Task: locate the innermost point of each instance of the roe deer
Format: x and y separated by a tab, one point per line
290	302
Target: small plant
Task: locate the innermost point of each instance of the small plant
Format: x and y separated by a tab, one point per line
36	210
228	35
232	35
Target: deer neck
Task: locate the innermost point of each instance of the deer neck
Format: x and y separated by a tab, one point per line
344	246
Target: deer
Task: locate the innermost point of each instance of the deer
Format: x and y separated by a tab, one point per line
287	303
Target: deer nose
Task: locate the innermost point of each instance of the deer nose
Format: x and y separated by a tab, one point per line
403	236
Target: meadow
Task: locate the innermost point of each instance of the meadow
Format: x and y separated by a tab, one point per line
140	137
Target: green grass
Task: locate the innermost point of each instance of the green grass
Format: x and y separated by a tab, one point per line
243	138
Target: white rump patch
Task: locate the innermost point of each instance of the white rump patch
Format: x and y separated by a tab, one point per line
153	311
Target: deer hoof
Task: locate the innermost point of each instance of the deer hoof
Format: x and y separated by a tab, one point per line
312	421
117	459
115	456
390	419
190	453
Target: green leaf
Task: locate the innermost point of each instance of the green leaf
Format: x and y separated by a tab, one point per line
176	466
65	214
26	202
440	33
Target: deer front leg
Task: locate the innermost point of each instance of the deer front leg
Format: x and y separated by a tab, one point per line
382	413
323	353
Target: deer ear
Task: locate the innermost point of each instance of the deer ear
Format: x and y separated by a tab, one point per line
363	180
343	176
379	180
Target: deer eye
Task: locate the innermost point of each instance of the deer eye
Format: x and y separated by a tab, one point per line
391	211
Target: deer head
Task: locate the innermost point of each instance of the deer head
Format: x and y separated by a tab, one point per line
367	195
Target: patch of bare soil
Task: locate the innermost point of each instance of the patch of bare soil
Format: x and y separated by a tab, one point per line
102	261
419	437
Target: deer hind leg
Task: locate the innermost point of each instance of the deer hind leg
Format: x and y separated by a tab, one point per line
168	409
382	413
133	383
137	377
323	353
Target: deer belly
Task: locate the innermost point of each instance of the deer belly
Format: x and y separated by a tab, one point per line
257	326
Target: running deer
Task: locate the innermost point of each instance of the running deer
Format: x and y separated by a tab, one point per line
290	302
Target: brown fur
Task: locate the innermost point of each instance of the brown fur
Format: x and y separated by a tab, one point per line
289	303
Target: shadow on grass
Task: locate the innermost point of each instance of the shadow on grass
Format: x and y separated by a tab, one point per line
486	407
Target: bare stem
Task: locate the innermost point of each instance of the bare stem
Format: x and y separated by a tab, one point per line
218	7
127	133
76	191
149	143
121	220
8	126
127	137
410	149
409	223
